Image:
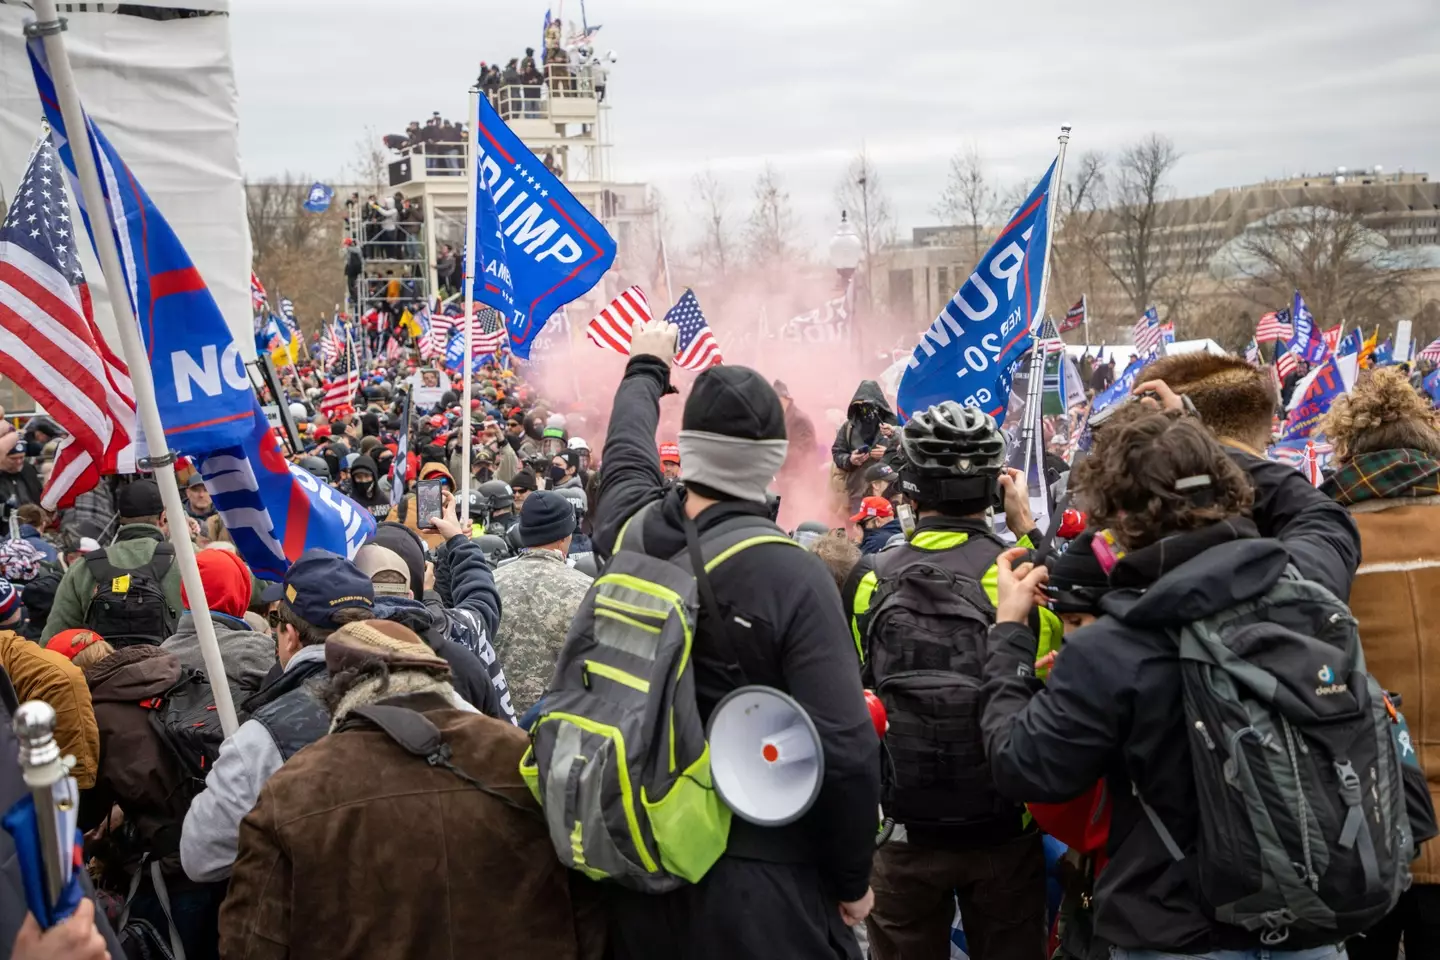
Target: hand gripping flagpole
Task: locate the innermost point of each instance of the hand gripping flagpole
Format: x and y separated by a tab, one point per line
1035	395
49	28
472	164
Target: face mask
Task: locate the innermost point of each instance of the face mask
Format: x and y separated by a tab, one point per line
483	474
557	474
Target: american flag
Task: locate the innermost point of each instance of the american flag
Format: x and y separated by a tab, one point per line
1252	352
332	344
49	343
393	350
490	334
1286	363
440	328
1274	326
341	390
1148	333
257	293
696	349
610	328
1432	352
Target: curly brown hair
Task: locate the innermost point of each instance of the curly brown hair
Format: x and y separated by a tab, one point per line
1383	412
1128	482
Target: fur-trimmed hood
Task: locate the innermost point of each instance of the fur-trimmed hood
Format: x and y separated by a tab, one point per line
1233	398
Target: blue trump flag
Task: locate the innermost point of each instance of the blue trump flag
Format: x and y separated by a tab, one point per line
1384	354
537	248
1306	342
969	353
1353	342
1327	385
275	511
318	200
1432	386
201	386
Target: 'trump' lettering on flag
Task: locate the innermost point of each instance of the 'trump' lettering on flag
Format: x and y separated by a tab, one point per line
1324	388
273	510
1354	340
969	353
201	387
550	247
319	199
1306	341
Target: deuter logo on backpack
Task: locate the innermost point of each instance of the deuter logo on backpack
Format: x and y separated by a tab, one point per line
1328	687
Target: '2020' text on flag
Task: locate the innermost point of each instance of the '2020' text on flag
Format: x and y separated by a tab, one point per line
201	387
969	353
537	248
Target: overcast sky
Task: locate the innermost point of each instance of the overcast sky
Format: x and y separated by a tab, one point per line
1247	89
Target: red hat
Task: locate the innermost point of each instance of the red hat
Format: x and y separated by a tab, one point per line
227	582
879	718
1072	524
873	507
348	242
322	431
474	403
670	452
437	421
67	643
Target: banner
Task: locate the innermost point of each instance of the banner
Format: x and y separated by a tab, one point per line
1121	387
1306	342
828	324
275	511
969	353
1324	388
537	247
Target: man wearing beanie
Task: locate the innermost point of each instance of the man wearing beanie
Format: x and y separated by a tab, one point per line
776	892
1236	402
539	593
140	549
322	592
356	824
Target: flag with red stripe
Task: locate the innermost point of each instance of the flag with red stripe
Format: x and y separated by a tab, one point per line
610	328
696	348
49	343
1275	325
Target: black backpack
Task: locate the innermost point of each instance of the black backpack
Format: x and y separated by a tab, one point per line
188	723
925	637
129	607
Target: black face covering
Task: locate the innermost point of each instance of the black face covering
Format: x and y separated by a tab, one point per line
557	474
483	473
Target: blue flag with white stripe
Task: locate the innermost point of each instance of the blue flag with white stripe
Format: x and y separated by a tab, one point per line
275	511
201	386
969	353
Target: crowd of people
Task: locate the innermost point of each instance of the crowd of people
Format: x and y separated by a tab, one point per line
1170	723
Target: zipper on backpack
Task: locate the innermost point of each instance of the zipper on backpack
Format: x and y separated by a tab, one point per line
613	674
1205	734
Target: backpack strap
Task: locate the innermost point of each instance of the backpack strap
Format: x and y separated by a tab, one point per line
102	569
632	533
1171	847
417	736
162	893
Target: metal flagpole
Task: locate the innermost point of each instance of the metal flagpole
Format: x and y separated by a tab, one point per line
665	259
49	28
1085	318
1037	372
472	178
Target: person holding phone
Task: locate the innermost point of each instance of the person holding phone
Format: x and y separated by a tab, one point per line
863	439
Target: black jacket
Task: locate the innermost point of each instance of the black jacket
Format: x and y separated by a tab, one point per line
24	486
1111	706
795	639
467	674
862	430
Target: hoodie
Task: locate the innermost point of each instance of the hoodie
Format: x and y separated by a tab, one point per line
468	675
369	495
868	409
879	538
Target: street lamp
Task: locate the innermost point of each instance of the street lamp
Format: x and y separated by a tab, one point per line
845	249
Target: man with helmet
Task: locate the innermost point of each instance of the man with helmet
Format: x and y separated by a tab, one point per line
499	501
922	611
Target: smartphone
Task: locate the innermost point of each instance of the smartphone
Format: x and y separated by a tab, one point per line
427	502
864	449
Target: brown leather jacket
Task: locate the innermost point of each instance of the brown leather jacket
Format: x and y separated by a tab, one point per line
40	674
358	850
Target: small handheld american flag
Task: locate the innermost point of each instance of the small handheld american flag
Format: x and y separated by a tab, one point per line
1148	334
696	348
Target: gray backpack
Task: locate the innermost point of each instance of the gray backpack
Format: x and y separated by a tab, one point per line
618	757
1303	830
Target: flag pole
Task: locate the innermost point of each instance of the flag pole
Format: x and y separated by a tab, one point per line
1037	371
1085	318
49	28
665	259
471	178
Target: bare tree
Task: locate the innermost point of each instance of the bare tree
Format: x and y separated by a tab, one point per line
862	196
1344	268
1127	240
770	231
371	164
296	254
716	250
969	198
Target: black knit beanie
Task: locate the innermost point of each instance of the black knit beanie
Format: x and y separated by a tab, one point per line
734	401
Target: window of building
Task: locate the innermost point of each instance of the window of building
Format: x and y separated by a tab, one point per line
943	290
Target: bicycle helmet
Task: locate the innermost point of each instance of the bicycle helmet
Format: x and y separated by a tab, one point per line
953	455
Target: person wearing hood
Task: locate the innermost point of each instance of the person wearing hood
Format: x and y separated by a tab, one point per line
140	773
863	439
1182	552
365	488
248	655
565	472
453	605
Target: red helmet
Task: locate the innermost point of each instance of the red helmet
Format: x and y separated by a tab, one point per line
878	717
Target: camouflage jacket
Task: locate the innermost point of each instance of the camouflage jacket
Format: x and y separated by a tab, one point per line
540	596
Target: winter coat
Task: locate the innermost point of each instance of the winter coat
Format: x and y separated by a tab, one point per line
374	499
788	632
40	674
247	654
23	485
12	788
137	770
336	860
469	673
862	431
800	455
134	547
540	595
878	538
1111	711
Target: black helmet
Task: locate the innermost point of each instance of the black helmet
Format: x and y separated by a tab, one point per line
498	494
586	564
495	548
316	467
811	532
949	440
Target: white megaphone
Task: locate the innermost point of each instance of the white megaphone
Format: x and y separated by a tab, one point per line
765	756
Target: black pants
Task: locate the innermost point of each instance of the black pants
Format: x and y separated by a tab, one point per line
741	910
1415	919
1001	891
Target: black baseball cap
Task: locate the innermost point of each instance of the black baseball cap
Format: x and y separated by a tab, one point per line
321	583
139	498
881	471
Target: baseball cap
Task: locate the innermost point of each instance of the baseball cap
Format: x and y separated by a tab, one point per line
373	559
140	498
195	481
670	452
873	508
321	583
68	643
880	471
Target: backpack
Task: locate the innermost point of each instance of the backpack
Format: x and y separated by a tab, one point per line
925	654
128	606
1302	821
618	757
188	723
